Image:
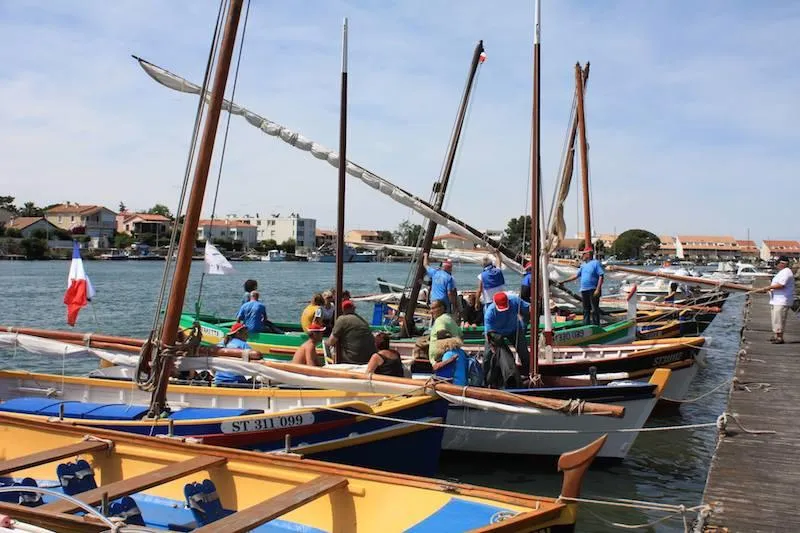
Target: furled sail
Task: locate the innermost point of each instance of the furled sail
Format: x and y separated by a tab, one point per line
297	140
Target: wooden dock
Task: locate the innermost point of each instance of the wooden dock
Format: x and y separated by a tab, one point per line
754	480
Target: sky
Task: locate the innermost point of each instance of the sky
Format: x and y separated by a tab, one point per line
691	108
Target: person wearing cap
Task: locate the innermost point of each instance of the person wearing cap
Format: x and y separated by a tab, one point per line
306	354
312	311
781	296
352	336
490	280
502	318
443	286
235	338
442	320
592	274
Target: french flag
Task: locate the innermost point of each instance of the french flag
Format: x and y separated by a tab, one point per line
79	288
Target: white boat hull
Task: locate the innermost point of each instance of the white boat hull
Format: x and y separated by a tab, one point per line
616	447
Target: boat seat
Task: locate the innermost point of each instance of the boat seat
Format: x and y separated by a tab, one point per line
461	515
73	409
199	413
126	509
28	499
76	477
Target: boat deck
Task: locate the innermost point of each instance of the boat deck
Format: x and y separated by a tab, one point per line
754	480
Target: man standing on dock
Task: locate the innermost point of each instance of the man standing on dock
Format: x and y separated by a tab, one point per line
591	273
781	296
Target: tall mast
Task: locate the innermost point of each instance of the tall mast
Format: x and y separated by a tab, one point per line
183	262
587	220
342	174
536	270
440	187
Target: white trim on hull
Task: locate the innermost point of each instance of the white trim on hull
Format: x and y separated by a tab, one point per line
616	447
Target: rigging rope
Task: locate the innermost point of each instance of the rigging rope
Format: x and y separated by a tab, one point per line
222	155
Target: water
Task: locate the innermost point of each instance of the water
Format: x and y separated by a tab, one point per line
665	467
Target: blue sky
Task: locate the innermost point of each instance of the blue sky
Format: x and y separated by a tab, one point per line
691	109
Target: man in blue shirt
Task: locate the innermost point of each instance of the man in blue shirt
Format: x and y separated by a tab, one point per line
253	314
490	280
236	338
502	317
591	273
443	287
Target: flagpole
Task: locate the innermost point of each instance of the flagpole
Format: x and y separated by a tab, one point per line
342	183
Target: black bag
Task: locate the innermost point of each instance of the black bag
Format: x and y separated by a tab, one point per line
500	367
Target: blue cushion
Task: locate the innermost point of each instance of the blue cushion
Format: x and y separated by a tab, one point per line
119	411
28	405
196	413
71	409
460	515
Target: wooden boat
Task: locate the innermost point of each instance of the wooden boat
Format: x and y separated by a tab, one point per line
184	486
371	431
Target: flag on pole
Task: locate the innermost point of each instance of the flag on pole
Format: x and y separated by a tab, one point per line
215	262
79	288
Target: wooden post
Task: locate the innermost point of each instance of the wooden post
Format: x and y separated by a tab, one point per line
587	220
183	262
536	271
342	181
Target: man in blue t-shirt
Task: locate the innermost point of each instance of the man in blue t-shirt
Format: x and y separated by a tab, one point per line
443	286
253	314
502	317
237	339
591	273
490	280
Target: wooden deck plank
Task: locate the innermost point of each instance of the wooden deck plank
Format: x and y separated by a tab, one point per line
276	506
48	456
126	487
754	481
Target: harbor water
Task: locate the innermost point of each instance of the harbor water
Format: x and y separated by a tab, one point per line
664	467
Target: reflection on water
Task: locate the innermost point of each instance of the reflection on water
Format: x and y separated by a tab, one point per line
666	467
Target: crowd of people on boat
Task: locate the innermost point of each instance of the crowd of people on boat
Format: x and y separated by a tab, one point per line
503	315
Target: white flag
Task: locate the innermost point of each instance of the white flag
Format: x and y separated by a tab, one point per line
215	262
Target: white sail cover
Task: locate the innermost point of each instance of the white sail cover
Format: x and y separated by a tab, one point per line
297	140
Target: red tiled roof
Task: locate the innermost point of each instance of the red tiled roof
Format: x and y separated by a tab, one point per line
21	223
325	233
364	232
783	246
707	239
74	209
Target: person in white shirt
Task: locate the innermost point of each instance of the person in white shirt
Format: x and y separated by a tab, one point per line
781	295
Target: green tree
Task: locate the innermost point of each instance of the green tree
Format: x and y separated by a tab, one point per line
386	237
635	244
160	209
288	246
265	246
13	233
407	234
30	210
39	234
517	234
122	207
123	240
7	203
34	248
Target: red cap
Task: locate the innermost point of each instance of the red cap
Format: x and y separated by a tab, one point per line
501	301
447	263
317	327
587	249
236	327
348	304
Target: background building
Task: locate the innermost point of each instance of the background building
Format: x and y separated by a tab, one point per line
137	224
27	226
451	241
280	229
772	249
227	229
706	247
97	222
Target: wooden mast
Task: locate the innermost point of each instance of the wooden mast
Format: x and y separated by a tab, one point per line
536	271
587	220
440	188
342	175
183	262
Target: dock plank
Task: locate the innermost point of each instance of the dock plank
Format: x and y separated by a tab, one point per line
754	481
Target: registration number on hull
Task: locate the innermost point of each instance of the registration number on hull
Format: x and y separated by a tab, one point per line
268	423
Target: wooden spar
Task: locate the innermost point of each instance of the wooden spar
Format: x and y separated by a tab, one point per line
342	174
535	178
676	277
476	393
440	188
183	263
587	220
72	336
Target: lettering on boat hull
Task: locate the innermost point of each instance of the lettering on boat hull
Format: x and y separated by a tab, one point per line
268	423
